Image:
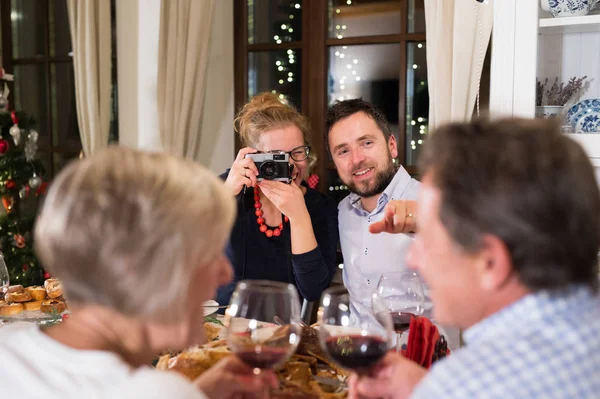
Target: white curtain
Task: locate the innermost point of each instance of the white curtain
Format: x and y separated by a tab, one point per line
90	27
185	27
458	33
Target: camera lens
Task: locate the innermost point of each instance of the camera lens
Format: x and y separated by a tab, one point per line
269	170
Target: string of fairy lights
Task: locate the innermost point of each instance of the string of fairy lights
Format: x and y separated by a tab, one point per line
282	64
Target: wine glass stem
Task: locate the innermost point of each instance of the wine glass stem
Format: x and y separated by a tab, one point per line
399	341
267	389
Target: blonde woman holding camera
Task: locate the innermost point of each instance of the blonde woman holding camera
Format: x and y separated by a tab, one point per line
284	231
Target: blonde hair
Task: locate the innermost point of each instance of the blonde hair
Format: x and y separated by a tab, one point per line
126	229
265	112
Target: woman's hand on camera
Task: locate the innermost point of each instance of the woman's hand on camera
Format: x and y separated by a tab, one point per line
243	172
288	198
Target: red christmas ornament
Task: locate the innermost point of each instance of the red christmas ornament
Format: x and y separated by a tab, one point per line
261	220
25	267
46	275
8	203
19	240
42	189
3	146
10	184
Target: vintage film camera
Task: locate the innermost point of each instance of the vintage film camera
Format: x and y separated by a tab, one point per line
273	166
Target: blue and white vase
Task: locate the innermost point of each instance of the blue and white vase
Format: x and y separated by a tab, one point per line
568	8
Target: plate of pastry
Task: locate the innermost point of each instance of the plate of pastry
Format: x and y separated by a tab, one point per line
34	304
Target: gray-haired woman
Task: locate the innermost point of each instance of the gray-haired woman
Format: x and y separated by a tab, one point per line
137	240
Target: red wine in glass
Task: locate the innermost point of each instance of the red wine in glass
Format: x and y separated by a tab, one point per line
402	294
263	357
353	342
263	324
401	321
358	353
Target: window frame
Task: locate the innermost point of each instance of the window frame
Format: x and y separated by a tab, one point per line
315	44
9	62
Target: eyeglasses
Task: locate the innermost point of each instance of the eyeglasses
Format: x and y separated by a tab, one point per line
298	154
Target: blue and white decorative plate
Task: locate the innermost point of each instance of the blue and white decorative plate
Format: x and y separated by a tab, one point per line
585	116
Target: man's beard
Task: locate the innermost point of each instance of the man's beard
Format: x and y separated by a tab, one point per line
382	179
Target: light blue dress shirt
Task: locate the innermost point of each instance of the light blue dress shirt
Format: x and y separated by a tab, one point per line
542	346
366	255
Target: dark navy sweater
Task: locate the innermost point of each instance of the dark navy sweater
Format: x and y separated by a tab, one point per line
254	256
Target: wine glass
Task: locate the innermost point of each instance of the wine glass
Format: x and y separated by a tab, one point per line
402	295
353	342
263	323
4	279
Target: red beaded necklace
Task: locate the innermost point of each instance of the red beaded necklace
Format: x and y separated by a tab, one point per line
261	221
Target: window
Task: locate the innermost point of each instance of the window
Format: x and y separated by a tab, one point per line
36	48
314	52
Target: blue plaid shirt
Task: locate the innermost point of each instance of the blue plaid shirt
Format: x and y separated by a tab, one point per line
542	346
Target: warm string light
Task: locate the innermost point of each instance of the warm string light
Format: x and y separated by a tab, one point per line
282	65
420	120
344	89
288	76
338	188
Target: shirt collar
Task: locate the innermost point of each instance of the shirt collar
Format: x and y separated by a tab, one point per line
526	313
394	190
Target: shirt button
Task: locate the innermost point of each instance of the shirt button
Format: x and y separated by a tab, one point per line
369	219
366	250
368	281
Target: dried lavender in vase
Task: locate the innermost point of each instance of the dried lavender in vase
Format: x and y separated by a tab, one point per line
539	92
558	94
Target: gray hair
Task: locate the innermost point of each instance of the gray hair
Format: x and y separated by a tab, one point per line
126	229
526	183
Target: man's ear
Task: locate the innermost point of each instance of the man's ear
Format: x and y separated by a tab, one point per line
393	146
495	267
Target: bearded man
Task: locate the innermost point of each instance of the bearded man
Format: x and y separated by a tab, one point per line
383	198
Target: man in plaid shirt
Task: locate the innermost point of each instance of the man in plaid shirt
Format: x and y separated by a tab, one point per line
509	232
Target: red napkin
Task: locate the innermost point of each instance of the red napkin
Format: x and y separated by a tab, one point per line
425	344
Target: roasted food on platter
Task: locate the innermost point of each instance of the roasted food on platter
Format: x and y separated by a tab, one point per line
211	331
307	374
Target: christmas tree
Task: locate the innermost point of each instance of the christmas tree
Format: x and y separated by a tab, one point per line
21	188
